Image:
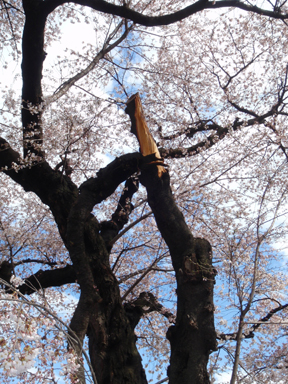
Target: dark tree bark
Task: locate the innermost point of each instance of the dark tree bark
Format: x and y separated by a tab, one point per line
100	313
48	278
33	56
193	337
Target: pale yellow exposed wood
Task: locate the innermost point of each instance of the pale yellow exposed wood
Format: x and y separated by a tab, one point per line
145	139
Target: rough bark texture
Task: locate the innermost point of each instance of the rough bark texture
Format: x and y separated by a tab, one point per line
193	336
100	313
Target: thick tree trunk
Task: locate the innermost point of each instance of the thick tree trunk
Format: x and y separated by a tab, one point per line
33	56
193	336
100	314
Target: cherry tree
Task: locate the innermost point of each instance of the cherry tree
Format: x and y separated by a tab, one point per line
90	279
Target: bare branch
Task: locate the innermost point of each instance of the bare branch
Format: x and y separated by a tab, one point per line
100	55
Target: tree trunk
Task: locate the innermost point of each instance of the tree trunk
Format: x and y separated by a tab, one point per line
100	313
193	336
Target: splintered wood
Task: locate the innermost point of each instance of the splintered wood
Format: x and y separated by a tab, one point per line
140	129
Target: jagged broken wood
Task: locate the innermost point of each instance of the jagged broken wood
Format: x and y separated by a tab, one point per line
140	129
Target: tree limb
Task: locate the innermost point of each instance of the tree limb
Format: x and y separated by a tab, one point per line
110	229
48	279
145	303
149	21
100	55
255	326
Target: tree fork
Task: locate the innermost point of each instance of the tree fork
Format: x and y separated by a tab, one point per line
100	313
193	337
